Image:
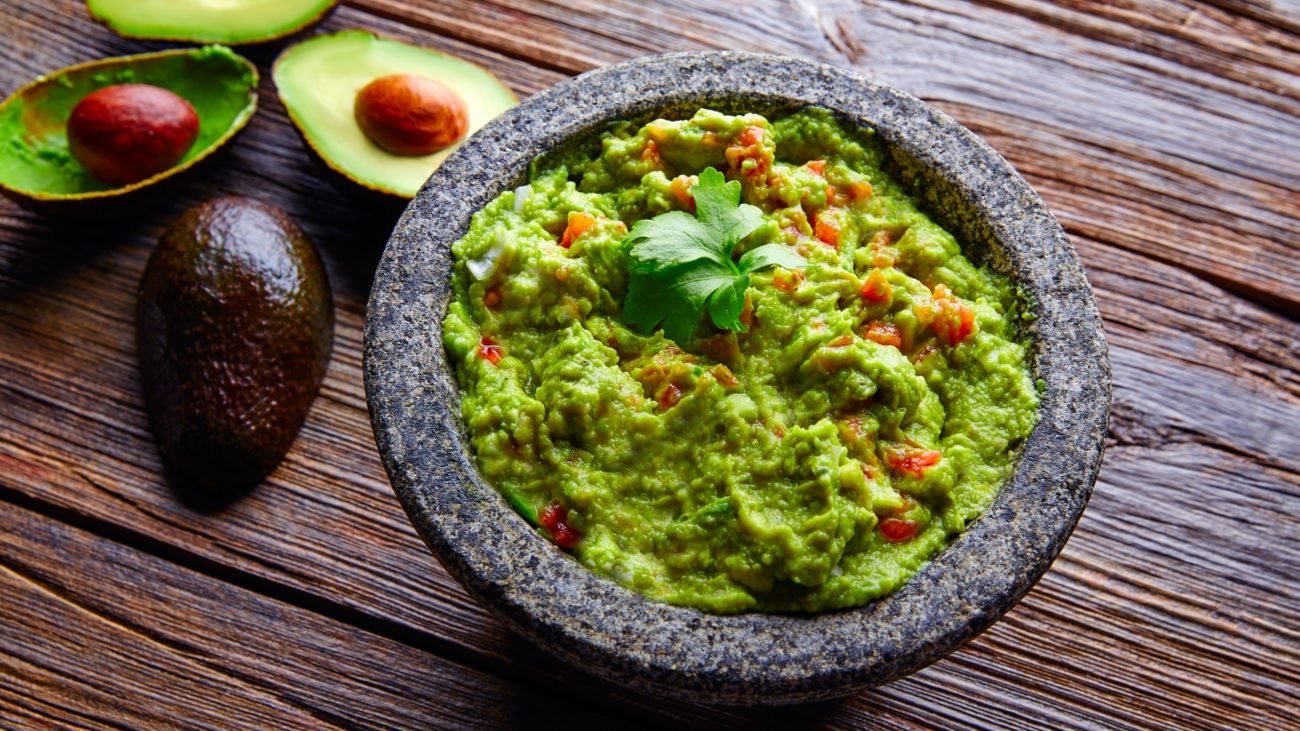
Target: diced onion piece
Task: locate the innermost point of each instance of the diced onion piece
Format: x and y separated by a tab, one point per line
481	268
522	194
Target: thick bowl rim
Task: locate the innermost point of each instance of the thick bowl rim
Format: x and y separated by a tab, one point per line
682	653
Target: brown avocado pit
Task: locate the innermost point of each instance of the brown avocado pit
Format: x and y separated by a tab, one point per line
125	133
318	81
411	115
235	326
37	168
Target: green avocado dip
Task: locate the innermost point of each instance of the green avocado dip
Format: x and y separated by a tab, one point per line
861	410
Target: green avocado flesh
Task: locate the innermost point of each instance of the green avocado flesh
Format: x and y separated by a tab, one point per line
34	157
318	81
817	460
208	21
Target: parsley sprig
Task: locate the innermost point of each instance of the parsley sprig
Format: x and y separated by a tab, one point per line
680	262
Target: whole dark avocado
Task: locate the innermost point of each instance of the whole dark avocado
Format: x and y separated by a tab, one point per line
234	325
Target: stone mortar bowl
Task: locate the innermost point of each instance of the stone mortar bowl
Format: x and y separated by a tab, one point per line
617	634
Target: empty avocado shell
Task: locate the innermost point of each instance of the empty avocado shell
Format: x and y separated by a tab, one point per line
234	22
318	81
38	172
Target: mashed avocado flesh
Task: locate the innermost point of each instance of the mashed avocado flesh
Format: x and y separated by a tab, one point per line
816	460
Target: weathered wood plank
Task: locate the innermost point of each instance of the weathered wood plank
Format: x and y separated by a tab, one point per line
105	632
1135	143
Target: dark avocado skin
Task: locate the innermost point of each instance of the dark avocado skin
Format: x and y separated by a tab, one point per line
235	323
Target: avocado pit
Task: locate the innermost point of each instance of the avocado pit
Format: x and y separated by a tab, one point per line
318	81
411	115
126	133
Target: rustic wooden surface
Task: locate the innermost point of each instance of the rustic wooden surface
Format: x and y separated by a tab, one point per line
1165	134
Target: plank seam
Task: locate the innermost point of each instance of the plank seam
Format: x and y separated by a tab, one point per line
373	624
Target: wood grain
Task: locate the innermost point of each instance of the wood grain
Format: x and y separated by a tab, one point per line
1161	133
98	630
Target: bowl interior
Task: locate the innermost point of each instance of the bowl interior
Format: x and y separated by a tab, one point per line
750	658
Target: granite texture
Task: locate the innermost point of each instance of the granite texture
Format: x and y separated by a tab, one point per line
616	634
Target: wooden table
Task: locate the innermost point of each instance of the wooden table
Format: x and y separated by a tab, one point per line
1165	134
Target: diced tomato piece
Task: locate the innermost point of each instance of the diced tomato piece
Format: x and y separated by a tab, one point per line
681	189
488	348
955	320
564	536
817	166
752	136
492	298
833	197
860	190
881	253
758	172
552	514
841	342
723	375
578	224
914	461
787	280
869	471
747	314
897	531
555	518
828	229
924	353
651	153
883	333
669	398
876	288
851	429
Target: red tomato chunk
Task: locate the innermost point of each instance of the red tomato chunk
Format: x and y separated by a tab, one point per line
554	518
876	288
914	461
883	333
897	531
578	224
488	348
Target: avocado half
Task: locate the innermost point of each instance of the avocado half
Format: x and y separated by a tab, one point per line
36	169
203	21
318	81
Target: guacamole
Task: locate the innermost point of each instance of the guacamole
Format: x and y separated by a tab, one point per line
866	411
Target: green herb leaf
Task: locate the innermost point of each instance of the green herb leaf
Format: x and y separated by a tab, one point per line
681	262
768	255
669	240
718	208
727	302
676	301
